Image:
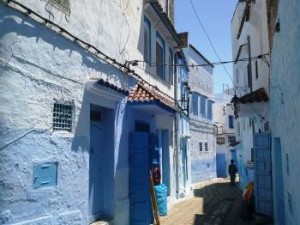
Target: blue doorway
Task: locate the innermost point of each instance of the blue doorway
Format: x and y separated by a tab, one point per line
95	170
139	155
101	161
262	174
221	165
166	159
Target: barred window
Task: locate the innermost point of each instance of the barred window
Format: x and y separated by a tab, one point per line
220	140
62	117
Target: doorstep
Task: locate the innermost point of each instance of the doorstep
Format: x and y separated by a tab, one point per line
100	223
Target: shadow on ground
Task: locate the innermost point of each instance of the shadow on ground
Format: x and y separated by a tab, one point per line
218	200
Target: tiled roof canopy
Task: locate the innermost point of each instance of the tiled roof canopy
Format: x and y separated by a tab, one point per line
142	94
259	95
112	86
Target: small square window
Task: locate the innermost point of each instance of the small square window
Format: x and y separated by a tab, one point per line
62	117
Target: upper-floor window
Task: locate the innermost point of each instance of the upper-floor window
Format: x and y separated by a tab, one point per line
147	40
220	140
195	103
200	147
206	146
209	109
171	66
256	69
231	139
160	56
203	106
230	121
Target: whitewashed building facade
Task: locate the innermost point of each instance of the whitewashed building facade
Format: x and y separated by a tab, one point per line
251	78
202	128
225	138
85	98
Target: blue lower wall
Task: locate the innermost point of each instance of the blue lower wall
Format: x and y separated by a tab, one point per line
203	169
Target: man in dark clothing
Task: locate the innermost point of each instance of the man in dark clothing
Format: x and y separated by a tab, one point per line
232	170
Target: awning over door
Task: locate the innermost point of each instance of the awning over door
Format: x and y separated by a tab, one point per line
148	99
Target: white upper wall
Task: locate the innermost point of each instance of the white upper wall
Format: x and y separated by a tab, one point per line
256	29
200	77
222	110
114	27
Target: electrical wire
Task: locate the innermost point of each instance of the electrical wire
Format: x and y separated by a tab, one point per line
209	40
216	53
135	62
87	46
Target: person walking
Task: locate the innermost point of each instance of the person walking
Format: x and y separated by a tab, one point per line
232	170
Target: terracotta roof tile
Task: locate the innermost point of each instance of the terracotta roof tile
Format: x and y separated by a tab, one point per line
144	94
112	86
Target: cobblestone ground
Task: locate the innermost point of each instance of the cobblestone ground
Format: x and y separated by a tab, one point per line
214	203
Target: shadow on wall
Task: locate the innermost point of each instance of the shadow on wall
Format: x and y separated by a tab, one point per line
28	28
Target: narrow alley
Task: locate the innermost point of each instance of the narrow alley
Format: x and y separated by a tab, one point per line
214	202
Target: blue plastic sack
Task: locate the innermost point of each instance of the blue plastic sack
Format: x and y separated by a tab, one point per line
161	192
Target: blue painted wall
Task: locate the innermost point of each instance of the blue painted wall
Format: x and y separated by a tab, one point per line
203	169
284	104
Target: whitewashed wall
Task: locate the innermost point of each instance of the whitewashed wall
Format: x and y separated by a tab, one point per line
37	68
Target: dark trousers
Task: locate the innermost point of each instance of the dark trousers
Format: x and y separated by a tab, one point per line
232	179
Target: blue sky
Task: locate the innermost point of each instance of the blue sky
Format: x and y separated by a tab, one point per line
215	16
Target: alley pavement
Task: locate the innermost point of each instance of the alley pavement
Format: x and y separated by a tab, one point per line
214	203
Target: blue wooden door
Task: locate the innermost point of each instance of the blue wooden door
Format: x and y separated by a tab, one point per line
139	179
221	165
262	174
95	167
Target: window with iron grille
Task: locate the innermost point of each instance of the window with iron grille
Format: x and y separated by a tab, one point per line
62	117
220	140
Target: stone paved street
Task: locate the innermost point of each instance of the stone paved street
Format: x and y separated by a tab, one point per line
214	203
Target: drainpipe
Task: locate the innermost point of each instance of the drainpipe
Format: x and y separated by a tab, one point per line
250	64
176	151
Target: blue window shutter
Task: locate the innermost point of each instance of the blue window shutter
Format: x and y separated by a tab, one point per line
44	175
